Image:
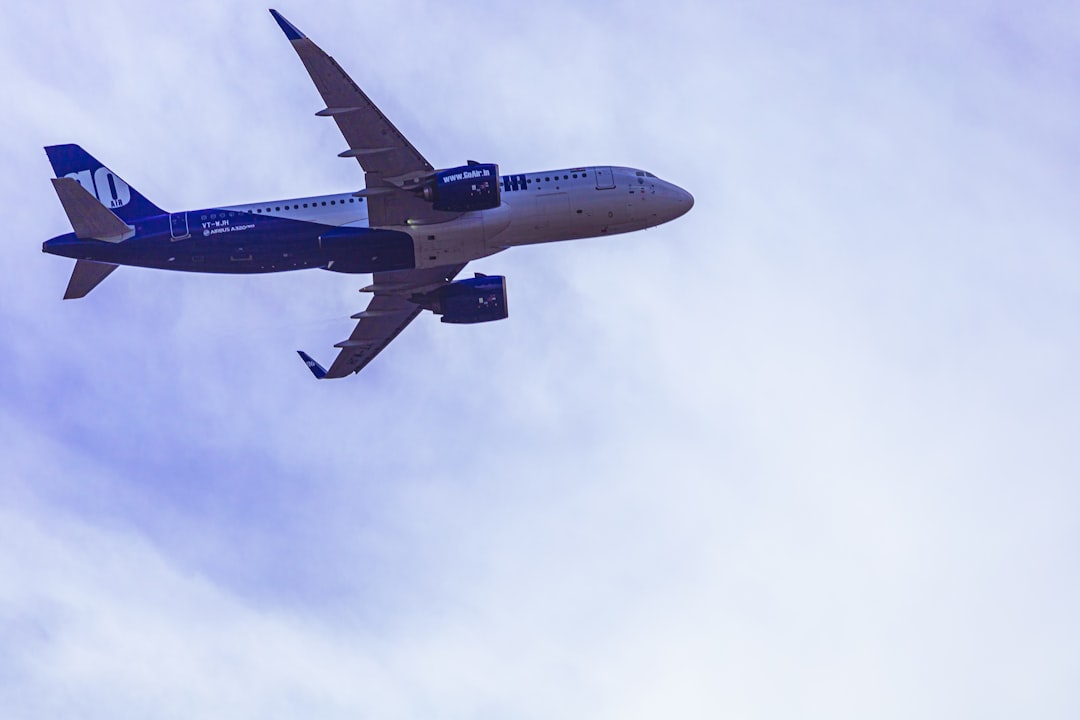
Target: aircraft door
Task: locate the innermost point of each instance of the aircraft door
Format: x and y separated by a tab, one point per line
552	212
179	226
604	178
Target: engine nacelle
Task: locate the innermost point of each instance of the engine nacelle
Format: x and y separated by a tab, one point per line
474	300
470	187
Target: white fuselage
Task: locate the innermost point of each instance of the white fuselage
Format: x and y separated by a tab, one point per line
536	208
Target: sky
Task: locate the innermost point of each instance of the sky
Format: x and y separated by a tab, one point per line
809	450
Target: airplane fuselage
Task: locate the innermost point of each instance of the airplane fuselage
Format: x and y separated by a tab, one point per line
332	231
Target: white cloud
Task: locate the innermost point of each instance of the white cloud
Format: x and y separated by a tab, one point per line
808	450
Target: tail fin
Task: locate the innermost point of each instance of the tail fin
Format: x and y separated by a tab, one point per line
101	182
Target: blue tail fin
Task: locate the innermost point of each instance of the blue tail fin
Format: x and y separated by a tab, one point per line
108	187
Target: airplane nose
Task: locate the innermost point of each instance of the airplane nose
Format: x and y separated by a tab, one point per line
683	202
687	199
672	201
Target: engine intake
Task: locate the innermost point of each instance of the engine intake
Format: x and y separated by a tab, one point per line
473	300
470	187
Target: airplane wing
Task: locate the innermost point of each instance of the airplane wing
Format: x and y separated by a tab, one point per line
389	160
388	313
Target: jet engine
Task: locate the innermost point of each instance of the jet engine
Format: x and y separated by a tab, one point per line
474	186
473	300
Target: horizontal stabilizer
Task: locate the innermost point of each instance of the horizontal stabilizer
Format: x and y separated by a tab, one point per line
86	276
316	369
89	218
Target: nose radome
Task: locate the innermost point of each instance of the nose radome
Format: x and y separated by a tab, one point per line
683	201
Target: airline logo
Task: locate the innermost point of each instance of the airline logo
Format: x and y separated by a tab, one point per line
464	175
110	190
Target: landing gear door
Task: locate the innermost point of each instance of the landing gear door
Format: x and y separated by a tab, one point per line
179	227
604	178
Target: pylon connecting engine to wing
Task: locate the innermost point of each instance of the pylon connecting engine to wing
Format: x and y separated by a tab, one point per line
470	187
473	300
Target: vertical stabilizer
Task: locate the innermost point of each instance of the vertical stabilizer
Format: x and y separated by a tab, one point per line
109	188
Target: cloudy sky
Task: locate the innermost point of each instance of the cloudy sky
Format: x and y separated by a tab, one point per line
809	451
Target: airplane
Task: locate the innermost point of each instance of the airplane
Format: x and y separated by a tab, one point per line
413	227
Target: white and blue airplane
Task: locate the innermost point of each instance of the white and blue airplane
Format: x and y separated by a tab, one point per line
412	227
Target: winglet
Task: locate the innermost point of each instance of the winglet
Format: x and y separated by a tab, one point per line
287	27
316	369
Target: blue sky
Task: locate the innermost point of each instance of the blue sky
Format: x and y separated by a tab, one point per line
809	450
